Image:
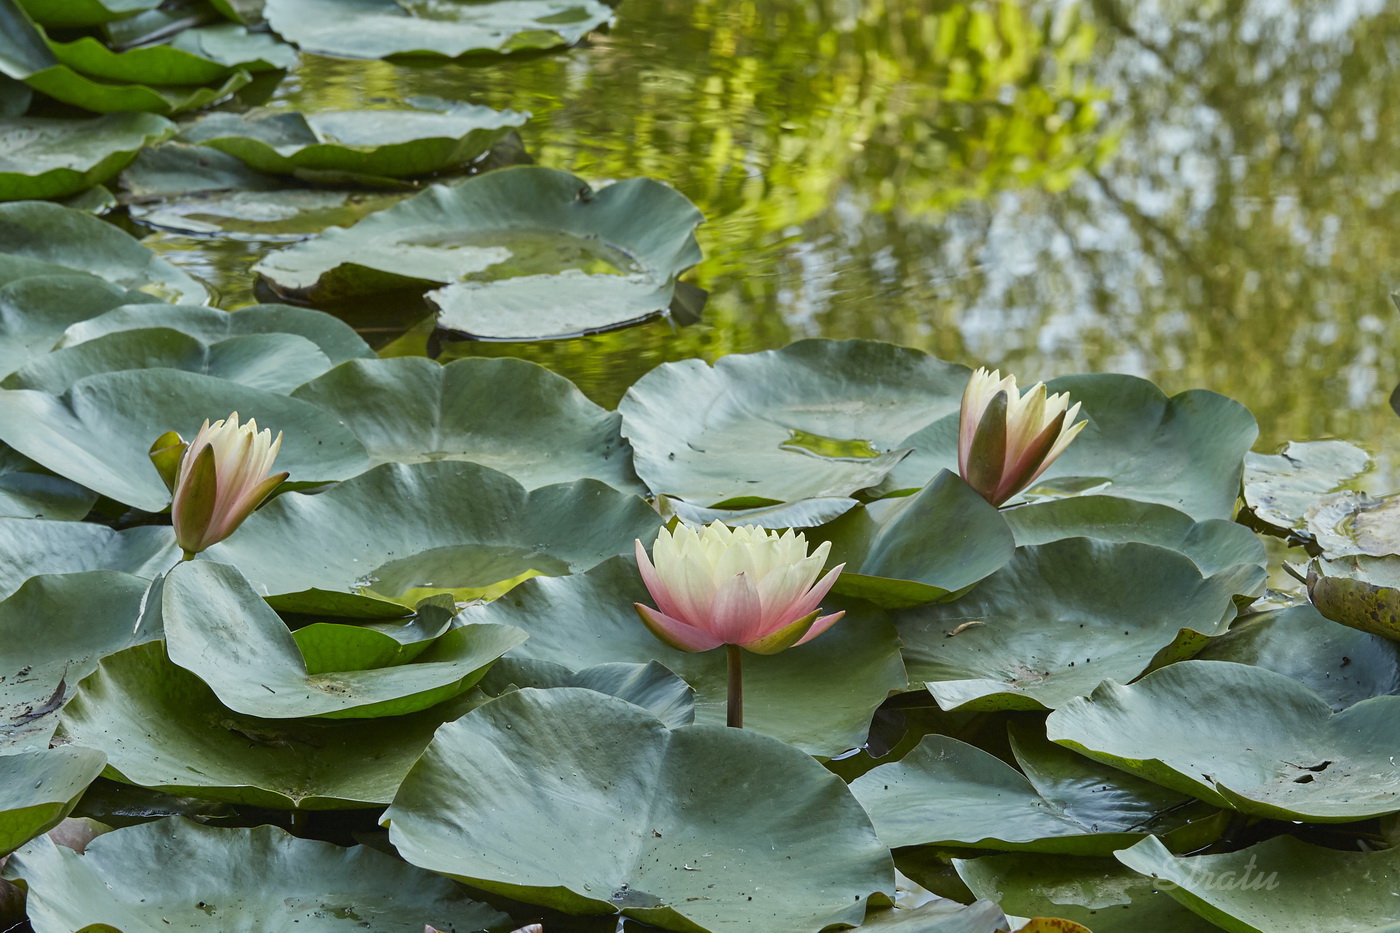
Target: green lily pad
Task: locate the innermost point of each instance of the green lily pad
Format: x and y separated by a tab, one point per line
1186	452
344	646
949	793
507	414
804	513
281	215
1343	665
1281	885
39	788
1360	592
39	674
99	432
819	697
652	686
1280	490
30	546
203	55
1099	893
1214	545
62	240
247	12
385	143
15	97
177	874
175	169
565	838
1059	619
1245	738
337	340
43	157
163	728
817	418
83	12
27	491
219	629
524	253
919	549
433	526
35	310
450	28
275	363
941	917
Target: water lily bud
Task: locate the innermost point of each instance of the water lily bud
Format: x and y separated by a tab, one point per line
1006	439
743	586
223	476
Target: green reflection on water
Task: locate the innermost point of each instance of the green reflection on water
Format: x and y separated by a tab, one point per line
1199	195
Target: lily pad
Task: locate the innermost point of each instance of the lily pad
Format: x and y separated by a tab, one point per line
949	793
524	253
163	728
804	513
39	788
652	686
1186	452
450	28
1361	592
175	873
430	526
35	310
269	362
15	97
39	674
919	549
280	215
1059	619
175	169
73	241
1100	893
384	143
202	55
819	697
219	629
565	838
83	12
1281	885
1245	738
27	491
44	157
333	336
99	432
941	917
507	414
816	418
1282	489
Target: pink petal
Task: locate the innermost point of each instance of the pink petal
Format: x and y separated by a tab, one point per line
676	633
655	587
821	625
736	615
812	599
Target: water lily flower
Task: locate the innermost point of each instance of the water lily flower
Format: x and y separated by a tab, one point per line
218	479
1006	439
743	587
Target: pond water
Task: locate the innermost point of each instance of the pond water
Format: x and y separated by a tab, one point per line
1201	194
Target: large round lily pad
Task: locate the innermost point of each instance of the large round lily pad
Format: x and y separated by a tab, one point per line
383	28
652	686
382	143
818	697
1245	738
278	215
524	252
1280	490
39	788
39	673
508	414
441	526
163	728
219	629
35	310
99	432
45	157
1059	619
620	814
202	55
58	236
1186	451
1281	885
33	546
816	418
177	874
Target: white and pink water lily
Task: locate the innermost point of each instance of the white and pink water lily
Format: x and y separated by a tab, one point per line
1006	438
218	479
745	586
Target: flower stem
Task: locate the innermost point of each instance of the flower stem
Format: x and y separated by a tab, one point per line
736	685
189	555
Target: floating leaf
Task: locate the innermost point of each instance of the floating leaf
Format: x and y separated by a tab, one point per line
202	55
652	686
384	143
282	215
507	414
565	838
1059	619
39	788
44	157
83	12
98	433
175	169
1245	738
1282	489
383	28
817	418
26	491
35	310
1361	592
30	546
177	874
818	697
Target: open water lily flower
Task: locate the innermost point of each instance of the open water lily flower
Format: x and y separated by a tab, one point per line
218	479
1006	439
